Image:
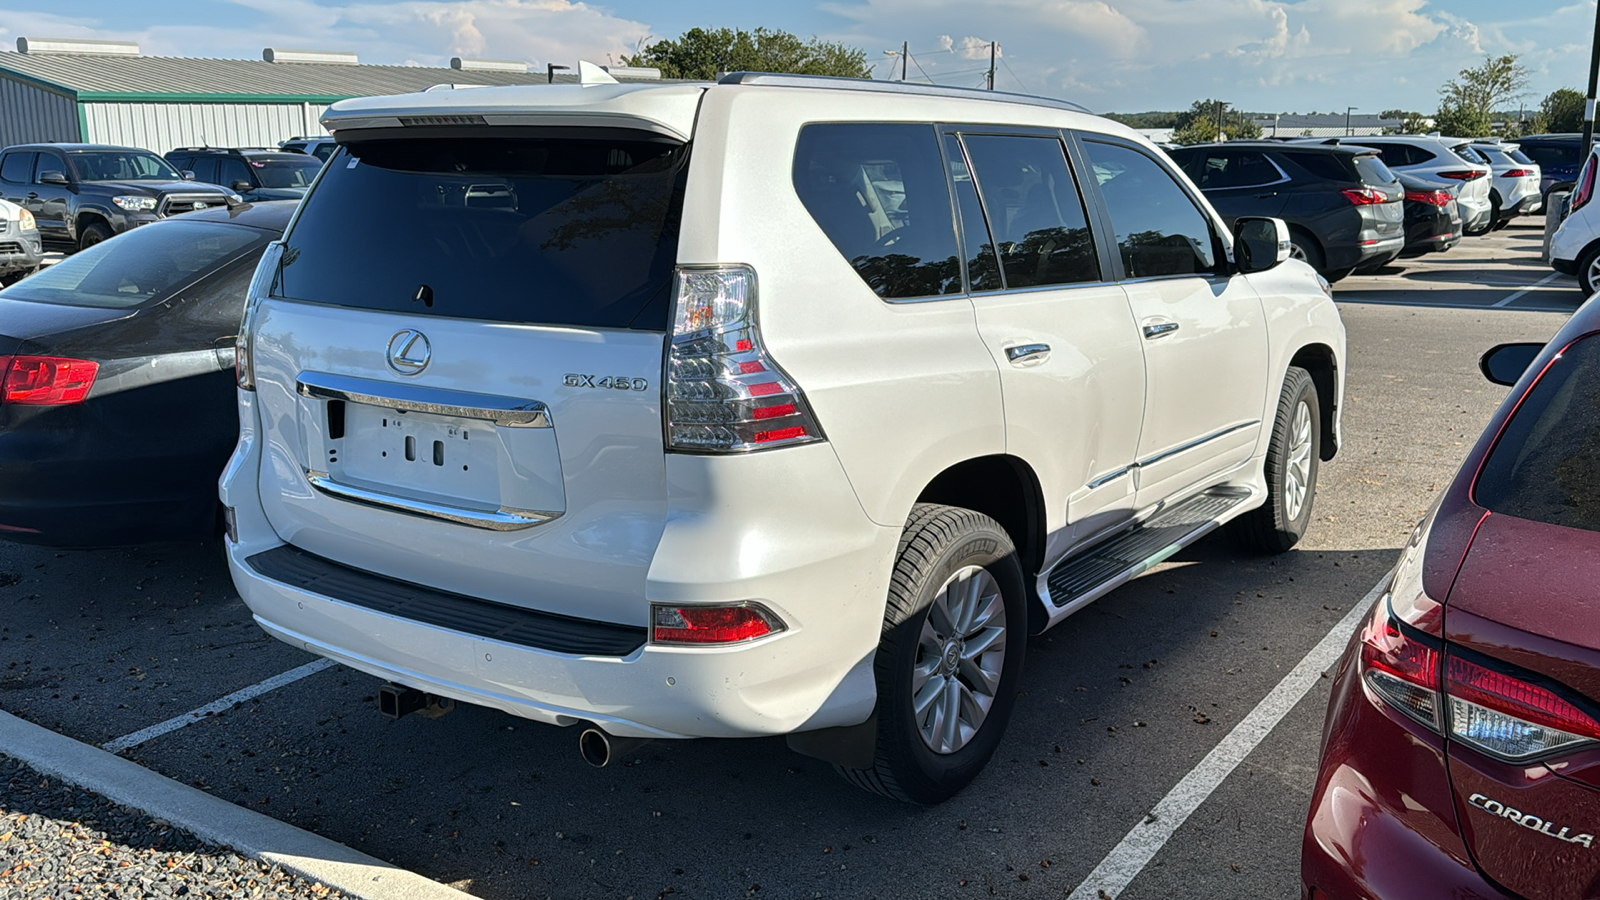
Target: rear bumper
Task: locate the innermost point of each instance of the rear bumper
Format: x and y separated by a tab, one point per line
1564	266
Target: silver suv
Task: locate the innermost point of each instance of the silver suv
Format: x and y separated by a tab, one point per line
779	405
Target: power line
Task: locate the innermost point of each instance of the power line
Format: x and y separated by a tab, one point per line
920	68
1013	74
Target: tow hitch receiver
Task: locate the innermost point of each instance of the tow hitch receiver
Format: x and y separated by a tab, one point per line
396	700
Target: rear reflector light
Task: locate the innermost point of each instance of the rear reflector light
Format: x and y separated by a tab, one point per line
1519	173
1510	717
1365	196
47	380
1468	175
724	392
1402	670
699	625
1440	199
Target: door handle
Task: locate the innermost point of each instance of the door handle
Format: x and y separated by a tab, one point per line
1159	329
33	195
1025	354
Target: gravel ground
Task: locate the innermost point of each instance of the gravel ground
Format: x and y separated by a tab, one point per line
58	840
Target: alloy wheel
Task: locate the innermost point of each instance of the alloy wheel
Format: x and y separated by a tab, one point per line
1297	468
960	656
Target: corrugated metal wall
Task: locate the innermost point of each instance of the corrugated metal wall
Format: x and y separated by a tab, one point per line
29	114
164	126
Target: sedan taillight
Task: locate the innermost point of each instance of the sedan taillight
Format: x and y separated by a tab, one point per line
47	380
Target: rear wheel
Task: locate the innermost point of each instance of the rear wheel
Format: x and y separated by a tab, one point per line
1589	271
1291	469
1302	247
93	234
950	655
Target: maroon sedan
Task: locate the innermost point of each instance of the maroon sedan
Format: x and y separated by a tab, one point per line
1461	753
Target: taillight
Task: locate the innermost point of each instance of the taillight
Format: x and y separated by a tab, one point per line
1440	199
1511	717
1585	186
1518	173
724	392
1464	175
244	364
47	380
1401	669
700	625
1365	196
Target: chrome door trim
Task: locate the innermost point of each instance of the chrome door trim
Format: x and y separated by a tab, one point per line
1108	477
1020	354
510	412
502	519
1165	454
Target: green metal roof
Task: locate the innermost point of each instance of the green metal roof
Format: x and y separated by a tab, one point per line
186	79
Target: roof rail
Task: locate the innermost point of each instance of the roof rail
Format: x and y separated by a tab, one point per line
834	82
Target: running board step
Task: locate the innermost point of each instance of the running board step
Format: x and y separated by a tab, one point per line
1079	579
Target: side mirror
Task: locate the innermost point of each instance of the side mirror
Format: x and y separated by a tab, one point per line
1505	363
1260	243
188	174
241	186
53	178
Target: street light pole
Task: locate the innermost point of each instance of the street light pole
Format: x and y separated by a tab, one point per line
1347	111
1594	76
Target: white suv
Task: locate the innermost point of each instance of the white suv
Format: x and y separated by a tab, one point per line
779	405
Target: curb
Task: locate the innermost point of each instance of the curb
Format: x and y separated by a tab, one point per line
212	819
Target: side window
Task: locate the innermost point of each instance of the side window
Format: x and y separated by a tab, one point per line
230	170
16	168
1325	166
49	162
324	151
1035	214
983	267
1237	169
1159	230
878	192
1394	154
204	169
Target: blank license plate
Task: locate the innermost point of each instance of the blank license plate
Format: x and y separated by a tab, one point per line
415	453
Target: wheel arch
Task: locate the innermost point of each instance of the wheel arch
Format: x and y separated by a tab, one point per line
87	217
1320	361
1004	488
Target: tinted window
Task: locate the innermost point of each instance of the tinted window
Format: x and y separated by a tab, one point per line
324	151
49	162
878	192
1373	171
537	230
983	267
286	173
1546	464
16	168
204	169
1236	169
1401	154
142	265
230	170
1517	156
1552	154
1326	166
122	165
1471	155
1159	229
1034	211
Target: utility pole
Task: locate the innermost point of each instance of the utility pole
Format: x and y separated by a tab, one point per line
1594	76
1221	135
1347	111
992	49
905	58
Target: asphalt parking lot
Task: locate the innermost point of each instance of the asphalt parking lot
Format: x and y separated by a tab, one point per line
1120	703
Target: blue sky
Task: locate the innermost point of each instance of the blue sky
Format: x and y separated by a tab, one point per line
1126	55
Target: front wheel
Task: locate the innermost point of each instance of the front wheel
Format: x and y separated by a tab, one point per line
1291	469
950	656
93	234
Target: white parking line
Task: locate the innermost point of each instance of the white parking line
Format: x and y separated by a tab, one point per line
1539	284
194	715
1145	840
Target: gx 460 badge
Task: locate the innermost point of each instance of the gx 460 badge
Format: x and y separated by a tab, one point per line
613	382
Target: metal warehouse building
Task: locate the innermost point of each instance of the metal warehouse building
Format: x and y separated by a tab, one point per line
105	92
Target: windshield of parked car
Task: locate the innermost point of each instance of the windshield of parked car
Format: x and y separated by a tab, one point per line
141	266
122	165
286	173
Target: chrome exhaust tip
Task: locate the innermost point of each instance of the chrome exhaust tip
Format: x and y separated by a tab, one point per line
599	749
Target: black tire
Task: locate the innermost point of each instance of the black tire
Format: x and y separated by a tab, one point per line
11	278
1587	271
1271	528
1305	247
1333	275
93	234
939	543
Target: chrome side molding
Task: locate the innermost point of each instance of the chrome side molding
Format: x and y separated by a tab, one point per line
510	412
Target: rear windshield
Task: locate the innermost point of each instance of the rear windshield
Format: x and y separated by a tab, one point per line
1373	171
551	231
141	266
1517	156
1546	464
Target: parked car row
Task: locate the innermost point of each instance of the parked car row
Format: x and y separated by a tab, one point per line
1357	203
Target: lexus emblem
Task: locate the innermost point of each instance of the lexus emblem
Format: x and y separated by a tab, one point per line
409	352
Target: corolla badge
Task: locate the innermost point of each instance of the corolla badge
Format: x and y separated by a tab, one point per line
1530	821
409	352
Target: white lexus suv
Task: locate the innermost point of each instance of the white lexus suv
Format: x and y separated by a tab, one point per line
780	405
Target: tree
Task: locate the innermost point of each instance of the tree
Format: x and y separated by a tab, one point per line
1201	122
1467	102
1562	110
701	53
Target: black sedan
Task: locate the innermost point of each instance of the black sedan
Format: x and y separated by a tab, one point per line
1433	218
118	408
